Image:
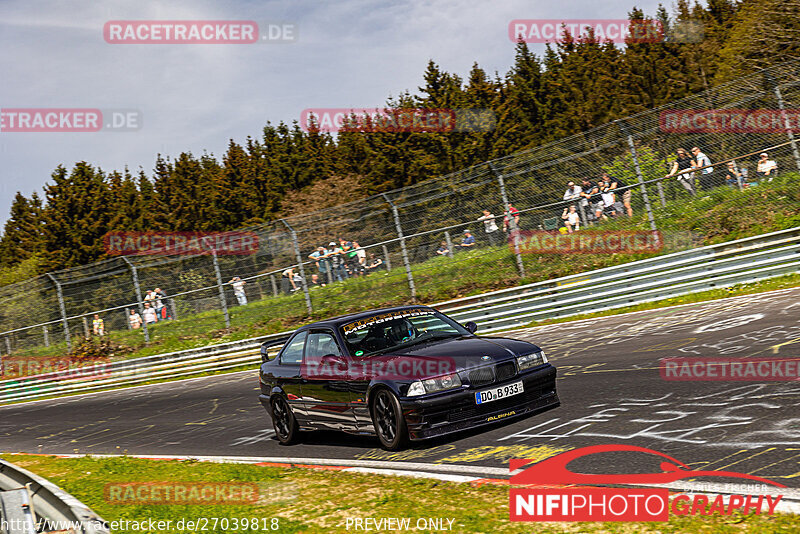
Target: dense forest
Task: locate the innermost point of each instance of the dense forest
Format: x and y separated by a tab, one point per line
574	86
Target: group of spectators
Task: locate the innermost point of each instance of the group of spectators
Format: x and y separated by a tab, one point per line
595	201
334	263
697	166
155	309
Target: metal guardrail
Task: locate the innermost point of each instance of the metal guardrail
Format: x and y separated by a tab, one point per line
45	502
744	260
735	262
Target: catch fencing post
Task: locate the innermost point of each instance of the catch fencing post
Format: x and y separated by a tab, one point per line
403	250
303	281
623	126
449	243
138	291
511	222
274	285
63	310
86	327
771	83
222	301
8	346
386	258
46	336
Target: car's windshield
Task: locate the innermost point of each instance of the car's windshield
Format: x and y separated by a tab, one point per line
391	330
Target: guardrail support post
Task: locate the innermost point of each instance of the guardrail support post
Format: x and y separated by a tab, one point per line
46	336
303	282
386	258
449	243
403	250
626	132
222	301
789	131
511	222
139	305
63	310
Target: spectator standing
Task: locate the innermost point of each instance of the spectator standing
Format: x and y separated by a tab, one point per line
468	241
150	316
150	298
135	320
443	250
707	180
238	290
335	254
514	212
573	192
621	190
683	162
361	255
571	219
490	227
162	304
98	326
766	167
590	196
320	259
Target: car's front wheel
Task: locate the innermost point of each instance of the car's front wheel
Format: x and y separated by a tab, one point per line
387	416
284	422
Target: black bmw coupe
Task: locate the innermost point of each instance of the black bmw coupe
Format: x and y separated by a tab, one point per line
400	373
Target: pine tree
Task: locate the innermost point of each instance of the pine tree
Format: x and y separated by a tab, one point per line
22	231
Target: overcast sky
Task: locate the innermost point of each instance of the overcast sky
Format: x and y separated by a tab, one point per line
195	97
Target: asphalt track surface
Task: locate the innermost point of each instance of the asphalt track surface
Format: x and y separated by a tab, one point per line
609	384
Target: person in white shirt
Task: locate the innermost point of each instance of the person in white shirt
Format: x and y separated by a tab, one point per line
766	167
571	219
573	191
490	226
707	174
135	320
238	290
149	314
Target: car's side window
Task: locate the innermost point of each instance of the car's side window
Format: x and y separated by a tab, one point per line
322	344
292	353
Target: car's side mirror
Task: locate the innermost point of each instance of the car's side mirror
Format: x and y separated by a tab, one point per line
471	326
332	360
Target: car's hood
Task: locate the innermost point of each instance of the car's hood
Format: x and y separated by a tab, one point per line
463	352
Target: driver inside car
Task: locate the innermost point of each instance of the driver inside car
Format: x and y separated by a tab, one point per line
401	331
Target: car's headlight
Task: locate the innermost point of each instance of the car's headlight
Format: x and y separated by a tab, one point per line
531	360
431	385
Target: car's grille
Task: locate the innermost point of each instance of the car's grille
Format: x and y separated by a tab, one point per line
506	370
481	377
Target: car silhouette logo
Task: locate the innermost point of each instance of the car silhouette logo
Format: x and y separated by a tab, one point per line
554	470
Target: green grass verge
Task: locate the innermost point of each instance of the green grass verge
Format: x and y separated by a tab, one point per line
316	501
721	215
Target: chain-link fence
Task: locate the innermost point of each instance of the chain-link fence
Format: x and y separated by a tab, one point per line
410	244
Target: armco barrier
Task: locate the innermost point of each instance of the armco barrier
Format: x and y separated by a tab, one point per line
49	502
744	260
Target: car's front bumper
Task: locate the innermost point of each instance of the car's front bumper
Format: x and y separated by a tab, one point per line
454	411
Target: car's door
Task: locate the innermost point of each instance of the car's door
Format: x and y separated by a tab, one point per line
325	388
291	379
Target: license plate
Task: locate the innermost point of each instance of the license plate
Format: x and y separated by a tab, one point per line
482	397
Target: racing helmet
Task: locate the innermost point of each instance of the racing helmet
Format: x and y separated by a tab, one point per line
402	330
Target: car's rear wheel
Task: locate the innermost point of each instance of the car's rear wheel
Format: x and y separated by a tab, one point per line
387	416
284	421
